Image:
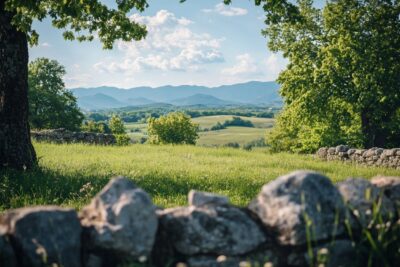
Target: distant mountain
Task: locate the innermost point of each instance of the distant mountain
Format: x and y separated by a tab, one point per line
99	101
200	99
256	93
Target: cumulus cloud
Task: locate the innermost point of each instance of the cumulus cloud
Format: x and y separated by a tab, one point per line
169	46
228	11
245	64
45	44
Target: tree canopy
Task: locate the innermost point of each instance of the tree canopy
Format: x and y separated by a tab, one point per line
50	104
342	83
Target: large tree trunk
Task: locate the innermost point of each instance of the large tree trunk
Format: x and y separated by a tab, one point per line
367	129
16	150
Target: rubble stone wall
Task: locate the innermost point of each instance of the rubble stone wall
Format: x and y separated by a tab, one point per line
60	136
299	219
372	157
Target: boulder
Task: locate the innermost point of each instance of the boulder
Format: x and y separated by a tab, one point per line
120	223
362	197
7	255
199	199
297	201
322	152
391	188
339	253
341	148
44	236
211	229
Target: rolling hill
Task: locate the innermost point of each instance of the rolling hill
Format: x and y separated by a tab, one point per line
254	93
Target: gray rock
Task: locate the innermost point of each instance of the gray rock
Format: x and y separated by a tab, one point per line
339	253
322	152
219	230
209	261
44	236
391	188
342	148
363	197
198	199
120	223
288	203
7	255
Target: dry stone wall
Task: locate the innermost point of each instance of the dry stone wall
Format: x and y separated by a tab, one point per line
299	219
60	136
372	157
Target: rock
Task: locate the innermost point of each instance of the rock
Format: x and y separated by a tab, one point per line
120	223
339	253
7	255
361	196
322	152
391	188
209	261
44	236
198	199
342	148
286	204
218	230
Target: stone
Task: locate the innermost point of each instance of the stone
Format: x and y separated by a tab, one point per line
7	255
210	261
391	188
288	203
322	152
120	223
214	229
341	148
362	196
199	199
44	236
339	253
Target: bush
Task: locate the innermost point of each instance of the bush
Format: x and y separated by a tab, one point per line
117	125
232	145
256	143
174	128
95	127
218	126
122	139
237	121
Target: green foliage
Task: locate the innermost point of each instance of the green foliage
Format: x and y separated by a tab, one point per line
117	125
235	121
50	104
218	126
341	84
174	128
80	20
122	139
95	127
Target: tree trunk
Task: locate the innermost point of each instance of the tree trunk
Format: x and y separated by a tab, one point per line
16	150
367	129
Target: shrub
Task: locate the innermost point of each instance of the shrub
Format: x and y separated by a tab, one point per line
117	125
232	145
174	128
218	126
122	139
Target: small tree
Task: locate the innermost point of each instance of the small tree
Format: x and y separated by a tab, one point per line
50	104
174	128
118	129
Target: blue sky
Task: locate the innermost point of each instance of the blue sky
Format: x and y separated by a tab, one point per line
197	42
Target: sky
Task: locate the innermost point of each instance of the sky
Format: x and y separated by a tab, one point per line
194	43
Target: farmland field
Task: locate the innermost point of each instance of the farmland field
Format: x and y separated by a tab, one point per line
70	175
240	135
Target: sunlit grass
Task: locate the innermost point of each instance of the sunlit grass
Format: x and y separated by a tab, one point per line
166	172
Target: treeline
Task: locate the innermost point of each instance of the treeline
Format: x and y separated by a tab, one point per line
235	121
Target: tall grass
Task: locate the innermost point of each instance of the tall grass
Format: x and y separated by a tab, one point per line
70	175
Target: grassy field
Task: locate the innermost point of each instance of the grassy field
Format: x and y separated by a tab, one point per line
240	135
166	172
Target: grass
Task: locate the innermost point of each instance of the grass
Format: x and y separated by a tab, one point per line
240	135
209	121
70	175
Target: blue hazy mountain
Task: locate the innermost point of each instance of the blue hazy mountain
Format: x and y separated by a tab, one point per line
256	93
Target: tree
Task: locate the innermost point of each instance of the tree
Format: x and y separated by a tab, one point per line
174	128
343	78
95	127
80	20
51	106
116	125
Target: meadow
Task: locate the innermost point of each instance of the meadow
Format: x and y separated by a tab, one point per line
240	135
71	174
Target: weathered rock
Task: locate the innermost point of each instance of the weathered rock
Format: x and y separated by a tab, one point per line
7	255
198	199
219	230
44	236
362	197
342	148
64	136
391	188
210	261
288	203
322	152
120	223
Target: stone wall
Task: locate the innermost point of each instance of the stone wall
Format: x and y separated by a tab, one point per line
300	219
372	157
64	136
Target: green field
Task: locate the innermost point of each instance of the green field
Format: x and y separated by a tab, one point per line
240	135
166	172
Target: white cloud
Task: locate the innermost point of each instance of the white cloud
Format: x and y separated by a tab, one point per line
228	11
274	65
245	64
45	44
169	46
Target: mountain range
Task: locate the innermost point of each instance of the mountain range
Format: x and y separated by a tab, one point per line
250	93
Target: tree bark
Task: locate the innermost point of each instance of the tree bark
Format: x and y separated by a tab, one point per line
16	150
367	129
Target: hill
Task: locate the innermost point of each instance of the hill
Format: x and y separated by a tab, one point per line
99	101
253	93
200	99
